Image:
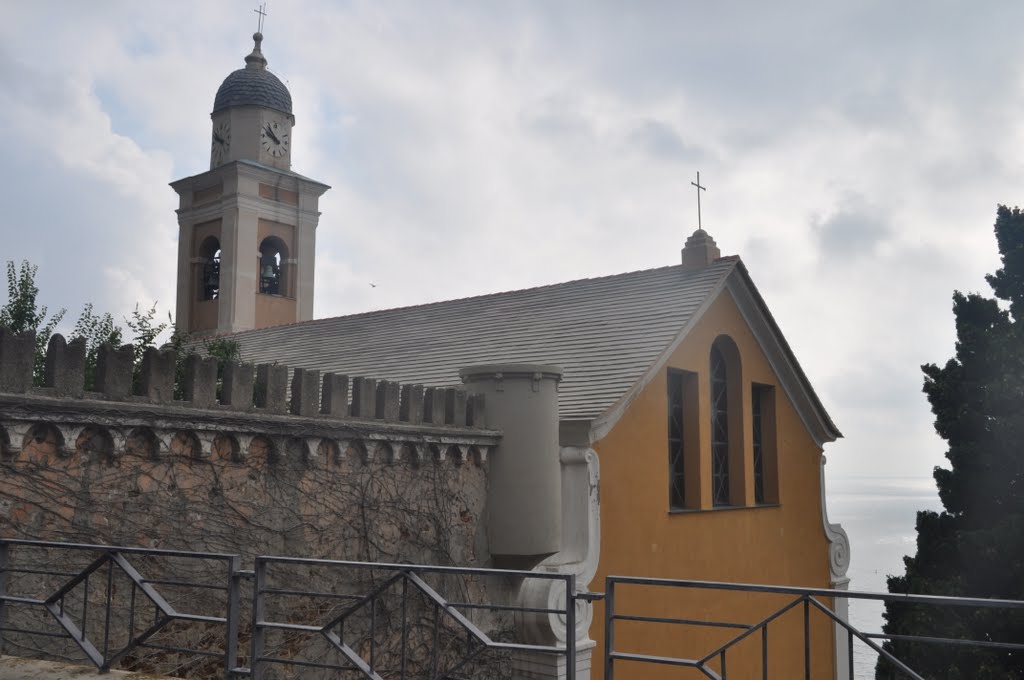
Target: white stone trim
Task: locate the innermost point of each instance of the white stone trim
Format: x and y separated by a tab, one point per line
604	423
791	378
581	550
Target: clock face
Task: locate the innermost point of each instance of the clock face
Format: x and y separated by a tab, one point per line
221	144
274	137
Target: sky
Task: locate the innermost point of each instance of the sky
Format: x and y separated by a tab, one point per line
853	153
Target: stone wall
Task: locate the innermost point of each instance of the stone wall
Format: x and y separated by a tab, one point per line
339	467
261	461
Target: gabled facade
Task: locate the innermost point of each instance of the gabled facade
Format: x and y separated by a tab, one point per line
690	440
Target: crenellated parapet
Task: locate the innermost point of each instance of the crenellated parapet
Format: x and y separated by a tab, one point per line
296	415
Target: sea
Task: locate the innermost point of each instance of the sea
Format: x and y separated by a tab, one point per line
878	514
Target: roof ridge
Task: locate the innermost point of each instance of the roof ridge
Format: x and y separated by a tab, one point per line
721	261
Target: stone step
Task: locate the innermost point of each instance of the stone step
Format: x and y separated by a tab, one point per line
14	668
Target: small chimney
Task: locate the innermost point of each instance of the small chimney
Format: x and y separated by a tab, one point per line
700	250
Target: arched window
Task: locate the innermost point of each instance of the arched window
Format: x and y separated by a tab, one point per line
209	274
719	428
728	482
273	256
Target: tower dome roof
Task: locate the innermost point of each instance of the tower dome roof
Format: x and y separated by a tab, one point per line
253	85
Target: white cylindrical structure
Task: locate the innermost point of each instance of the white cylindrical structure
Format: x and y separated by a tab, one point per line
524	502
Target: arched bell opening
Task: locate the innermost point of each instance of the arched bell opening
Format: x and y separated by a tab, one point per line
273	259
209	269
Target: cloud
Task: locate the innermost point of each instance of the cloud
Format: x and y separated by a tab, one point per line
853	229
852	157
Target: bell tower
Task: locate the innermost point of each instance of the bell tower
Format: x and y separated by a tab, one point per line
247	226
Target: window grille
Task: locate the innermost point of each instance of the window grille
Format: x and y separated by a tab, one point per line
676	461
758	434
719	429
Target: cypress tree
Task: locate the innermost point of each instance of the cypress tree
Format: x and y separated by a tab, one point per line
975	546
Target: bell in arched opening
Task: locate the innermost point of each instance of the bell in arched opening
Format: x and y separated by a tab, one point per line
271	259
209	269
211	278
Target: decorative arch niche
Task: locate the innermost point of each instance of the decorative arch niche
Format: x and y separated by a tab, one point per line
95	444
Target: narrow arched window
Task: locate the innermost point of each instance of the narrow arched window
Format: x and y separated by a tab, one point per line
719	428
272	258
676	444
209	274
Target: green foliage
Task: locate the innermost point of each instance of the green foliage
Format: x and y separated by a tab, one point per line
22	313
96	329
145	331
223	350
975	547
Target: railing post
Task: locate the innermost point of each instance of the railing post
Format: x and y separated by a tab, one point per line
231	643
609	627
570	627
807	638
258	635
4	562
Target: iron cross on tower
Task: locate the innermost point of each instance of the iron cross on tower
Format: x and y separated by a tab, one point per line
262	11
699	189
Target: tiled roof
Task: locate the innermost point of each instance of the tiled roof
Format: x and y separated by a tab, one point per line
604	332
253	87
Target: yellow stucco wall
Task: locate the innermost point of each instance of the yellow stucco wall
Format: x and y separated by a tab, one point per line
782	544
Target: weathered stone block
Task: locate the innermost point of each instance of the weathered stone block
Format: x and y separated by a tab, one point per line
271	391
114	370
156	375
364	397
200	383
475	414
388	394
455	407
411	410
433	406
17	357
65	366
305	392
237	386
334	396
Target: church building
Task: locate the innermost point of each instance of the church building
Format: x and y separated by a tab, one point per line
691	441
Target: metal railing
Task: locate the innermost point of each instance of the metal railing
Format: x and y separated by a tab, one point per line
114	604
803	601
71	581
423	616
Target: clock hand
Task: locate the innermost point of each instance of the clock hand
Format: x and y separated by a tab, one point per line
217	138
272	135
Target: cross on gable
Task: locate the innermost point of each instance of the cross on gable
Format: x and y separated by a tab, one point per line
699	189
